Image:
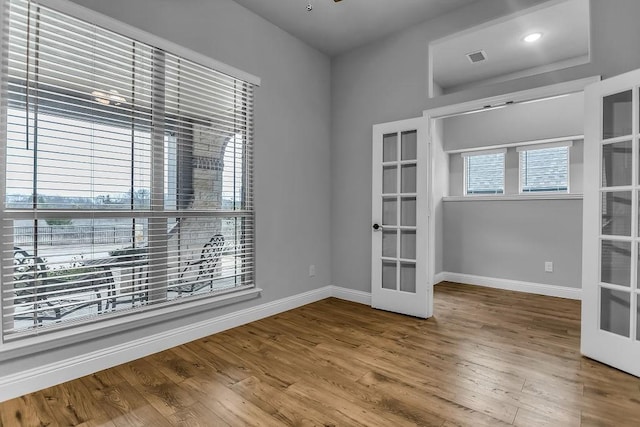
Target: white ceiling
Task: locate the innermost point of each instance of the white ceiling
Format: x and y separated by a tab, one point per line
334	28
565	42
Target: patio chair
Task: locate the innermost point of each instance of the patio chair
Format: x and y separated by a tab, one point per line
207	266
35	287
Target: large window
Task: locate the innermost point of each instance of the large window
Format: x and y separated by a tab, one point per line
484	172
127	182
544	168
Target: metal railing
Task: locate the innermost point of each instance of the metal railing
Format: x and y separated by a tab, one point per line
71	235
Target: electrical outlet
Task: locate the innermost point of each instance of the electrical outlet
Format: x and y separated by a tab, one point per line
312	270
548	266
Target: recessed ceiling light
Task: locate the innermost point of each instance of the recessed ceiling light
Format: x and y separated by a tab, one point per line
533	37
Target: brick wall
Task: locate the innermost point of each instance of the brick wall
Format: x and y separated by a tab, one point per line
206	173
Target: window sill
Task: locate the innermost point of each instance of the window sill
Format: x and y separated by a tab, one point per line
119	324
513	197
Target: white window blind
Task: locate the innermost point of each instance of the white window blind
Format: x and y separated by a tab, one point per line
544	168
484	172
128	175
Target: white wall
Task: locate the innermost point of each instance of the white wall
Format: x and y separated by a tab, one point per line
292	148
387	81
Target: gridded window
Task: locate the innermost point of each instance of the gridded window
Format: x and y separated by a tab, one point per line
544	169
484	172
126	175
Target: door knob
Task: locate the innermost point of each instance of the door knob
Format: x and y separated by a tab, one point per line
377	227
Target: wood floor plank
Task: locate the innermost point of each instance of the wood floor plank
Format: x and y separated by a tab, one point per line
25	411
70	406
288	408
227	404
121	402
459	408
487	358
363	408
198	415
533	418
166	396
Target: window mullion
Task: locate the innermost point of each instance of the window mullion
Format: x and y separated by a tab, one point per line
6	225
158	238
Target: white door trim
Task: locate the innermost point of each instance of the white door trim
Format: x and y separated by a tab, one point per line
436	148
550	91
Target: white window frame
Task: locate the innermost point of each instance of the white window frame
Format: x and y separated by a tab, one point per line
119	323
533	147
465	156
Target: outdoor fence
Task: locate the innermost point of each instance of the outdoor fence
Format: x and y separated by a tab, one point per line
71	235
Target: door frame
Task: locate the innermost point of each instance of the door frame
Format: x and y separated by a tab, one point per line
439	186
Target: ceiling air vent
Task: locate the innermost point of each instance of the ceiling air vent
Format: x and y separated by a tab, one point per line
478	56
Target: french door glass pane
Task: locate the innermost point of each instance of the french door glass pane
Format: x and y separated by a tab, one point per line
616	115
615	260
409	178
408	277
389	179
638	215
615	311
389	275
638	269
638	317
390	147
408	211
616	164
390	211
616	213
389	243
408	244
409	145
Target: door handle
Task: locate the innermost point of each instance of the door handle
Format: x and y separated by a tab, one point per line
377	227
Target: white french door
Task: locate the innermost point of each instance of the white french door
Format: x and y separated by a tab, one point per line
400	218
611	238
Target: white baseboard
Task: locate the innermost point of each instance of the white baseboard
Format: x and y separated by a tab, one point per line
20	383
439	277
347	294
511	285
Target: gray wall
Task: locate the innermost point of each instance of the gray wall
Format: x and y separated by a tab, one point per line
387	81
518	123
513	239
512	171
292	145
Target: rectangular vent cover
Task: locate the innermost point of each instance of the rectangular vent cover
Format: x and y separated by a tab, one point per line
478	56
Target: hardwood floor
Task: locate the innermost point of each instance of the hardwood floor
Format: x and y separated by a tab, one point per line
487	358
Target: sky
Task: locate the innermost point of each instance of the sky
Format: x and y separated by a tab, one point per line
79	158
